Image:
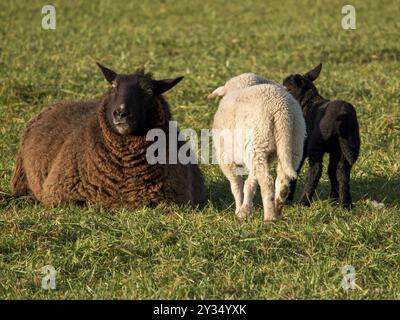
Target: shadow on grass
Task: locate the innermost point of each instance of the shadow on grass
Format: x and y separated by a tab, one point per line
219	193
375	188
221	197
8	199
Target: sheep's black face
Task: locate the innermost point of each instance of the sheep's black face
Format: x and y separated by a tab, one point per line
301	87
132	101
130	104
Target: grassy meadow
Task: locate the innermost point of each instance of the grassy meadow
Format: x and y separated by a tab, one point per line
172	252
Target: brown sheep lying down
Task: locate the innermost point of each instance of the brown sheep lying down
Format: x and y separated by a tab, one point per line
95	152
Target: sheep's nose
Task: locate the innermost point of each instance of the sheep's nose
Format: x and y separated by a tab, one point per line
123	115
121	112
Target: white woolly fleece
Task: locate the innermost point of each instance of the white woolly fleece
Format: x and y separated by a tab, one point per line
251	102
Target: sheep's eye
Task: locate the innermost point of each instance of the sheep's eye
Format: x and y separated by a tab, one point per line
149	91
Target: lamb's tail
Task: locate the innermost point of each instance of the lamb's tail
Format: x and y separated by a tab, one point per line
290	133
349	135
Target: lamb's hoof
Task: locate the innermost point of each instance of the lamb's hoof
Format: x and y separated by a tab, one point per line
305	202
279	208
270	219
242	214
347	206
334	196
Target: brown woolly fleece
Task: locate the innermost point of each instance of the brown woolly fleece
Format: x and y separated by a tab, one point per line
69	154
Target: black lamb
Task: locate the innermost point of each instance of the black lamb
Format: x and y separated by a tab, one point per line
332	127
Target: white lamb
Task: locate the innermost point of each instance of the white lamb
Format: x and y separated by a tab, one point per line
253	104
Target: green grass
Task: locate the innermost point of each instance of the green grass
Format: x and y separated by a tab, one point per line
172	252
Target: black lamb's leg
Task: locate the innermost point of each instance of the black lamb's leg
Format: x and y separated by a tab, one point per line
334	158
293	184
292	190
343	177
313	176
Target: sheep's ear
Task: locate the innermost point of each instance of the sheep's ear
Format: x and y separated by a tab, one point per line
108	73
161	86
219	92
314	73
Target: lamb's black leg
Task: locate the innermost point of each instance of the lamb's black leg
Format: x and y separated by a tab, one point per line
334	158
313	176
292	190
343	177
293	184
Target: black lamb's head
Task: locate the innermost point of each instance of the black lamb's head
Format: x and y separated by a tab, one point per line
301	87
132	100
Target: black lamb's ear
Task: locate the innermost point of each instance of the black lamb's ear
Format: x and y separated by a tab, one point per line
161	86
314	73
108	73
